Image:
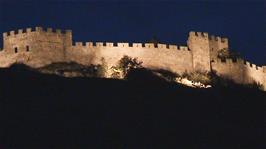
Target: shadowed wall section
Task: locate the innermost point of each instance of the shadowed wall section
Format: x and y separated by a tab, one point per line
240	71
216	44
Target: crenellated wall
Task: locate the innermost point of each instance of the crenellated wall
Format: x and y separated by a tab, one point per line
199	44
38	47
229	68
217	43
169	57
239	70
34	47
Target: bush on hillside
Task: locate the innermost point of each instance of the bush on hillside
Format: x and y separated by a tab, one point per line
198	76
125	65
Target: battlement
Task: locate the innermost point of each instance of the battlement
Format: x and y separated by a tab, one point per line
79	44
133	45
251	65
136	45
123	45
43	46
184	48
247	64
149	45
198	34
162	46
32	30
173	47
57	31
228	60
218	39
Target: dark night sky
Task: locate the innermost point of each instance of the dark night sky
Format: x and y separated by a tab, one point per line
243	22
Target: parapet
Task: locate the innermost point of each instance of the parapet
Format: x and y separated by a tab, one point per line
230	60
224	40
20	31
198	34
254	66
241	62
79	44
132	45
123	44
247	63
185	48
12	33
36	29
218	39
89	44
162	46
137	45
174	47
149	45
28	30
259	68
109	44
99	44
51	30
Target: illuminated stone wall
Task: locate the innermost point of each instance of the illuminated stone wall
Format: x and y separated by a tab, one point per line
198	42
169	57
216	44
34	47
38	47
239	70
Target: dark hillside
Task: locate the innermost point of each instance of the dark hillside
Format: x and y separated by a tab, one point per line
50	112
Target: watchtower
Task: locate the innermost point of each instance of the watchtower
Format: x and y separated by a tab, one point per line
198	43
216	44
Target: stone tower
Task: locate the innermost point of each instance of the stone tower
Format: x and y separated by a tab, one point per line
216	44
36	47
198	43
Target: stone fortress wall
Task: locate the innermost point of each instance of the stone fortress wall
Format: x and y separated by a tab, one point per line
34	47
161	57
39	47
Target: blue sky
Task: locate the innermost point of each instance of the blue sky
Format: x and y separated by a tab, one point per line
243	22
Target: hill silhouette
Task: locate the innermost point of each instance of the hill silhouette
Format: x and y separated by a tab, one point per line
47	111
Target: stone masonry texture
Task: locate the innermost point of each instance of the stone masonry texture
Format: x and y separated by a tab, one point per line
39	47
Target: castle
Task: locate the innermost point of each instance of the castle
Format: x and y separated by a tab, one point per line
39	47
